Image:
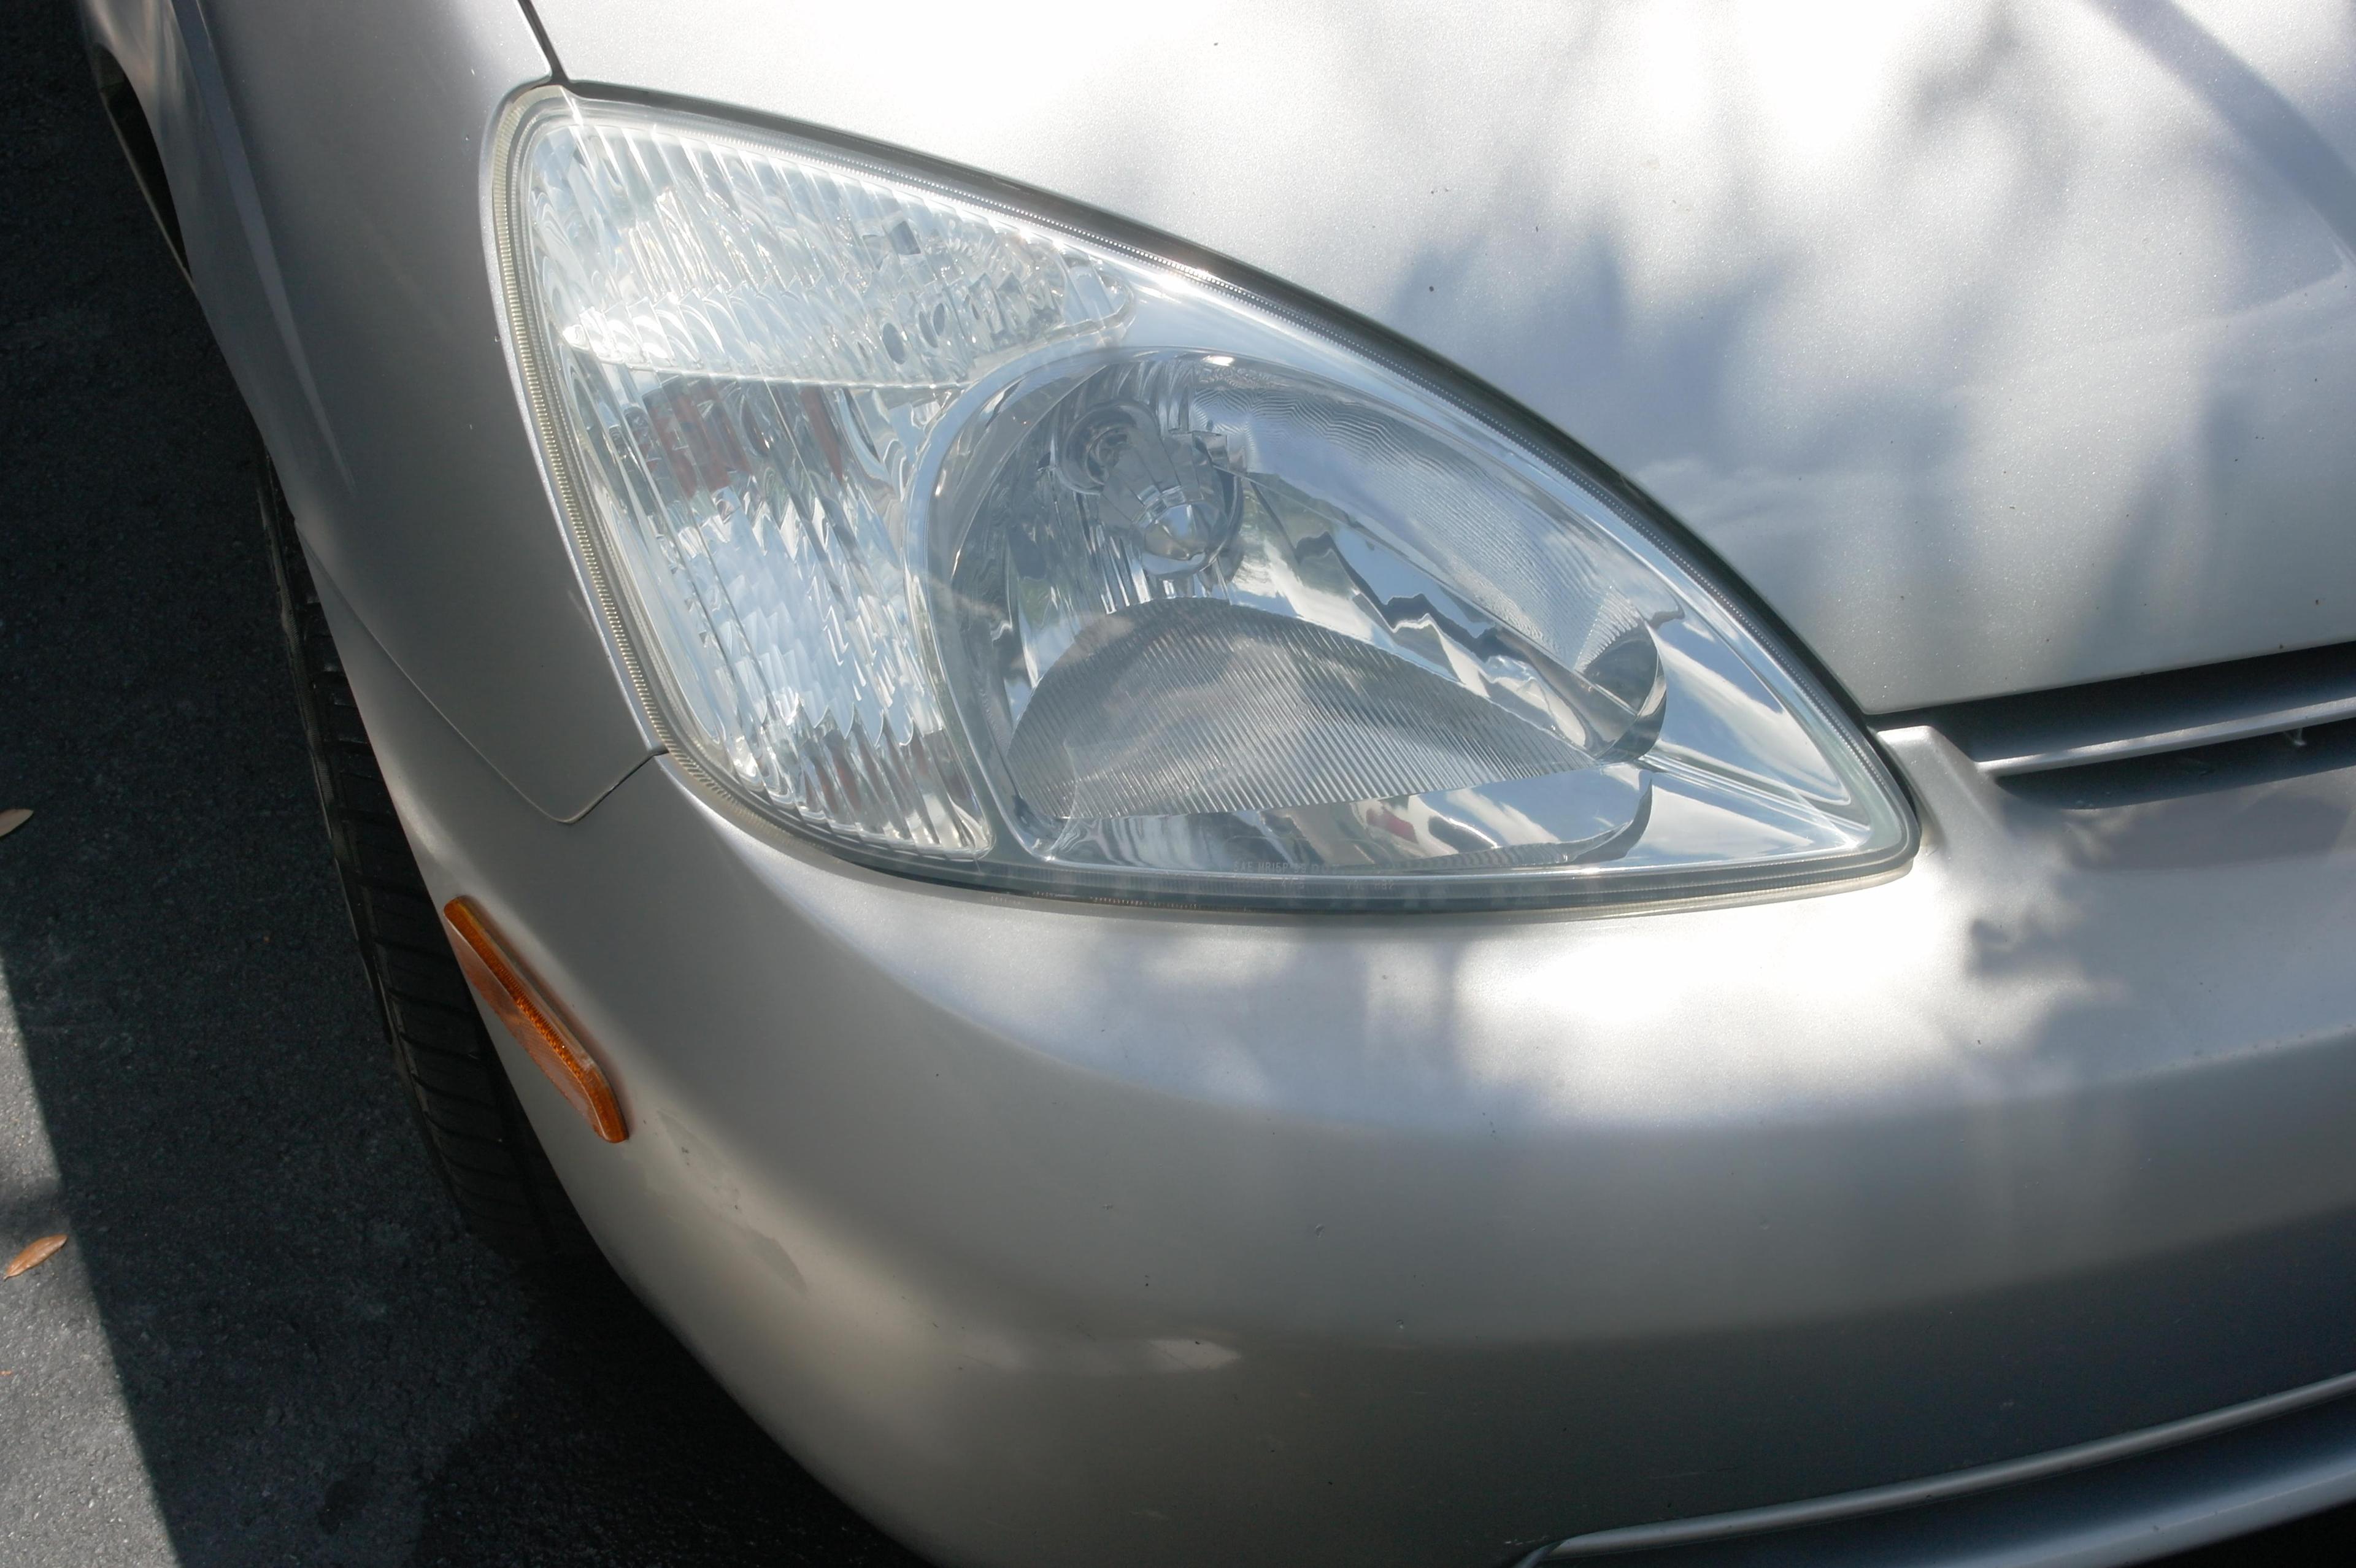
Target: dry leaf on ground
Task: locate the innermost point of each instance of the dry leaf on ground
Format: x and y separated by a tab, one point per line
35	1255
13	819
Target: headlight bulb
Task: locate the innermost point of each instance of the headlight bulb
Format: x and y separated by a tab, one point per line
978	547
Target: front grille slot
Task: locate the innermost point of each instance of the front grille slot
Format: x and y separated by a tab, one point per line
2165	1489
2149	715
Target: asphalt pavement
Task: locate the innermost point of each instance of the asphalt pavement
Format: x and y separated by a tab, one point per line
266	1341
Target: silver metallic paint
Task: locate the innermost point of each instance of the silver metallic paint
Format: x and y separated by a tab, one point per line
325	162
1052	1233
1997	345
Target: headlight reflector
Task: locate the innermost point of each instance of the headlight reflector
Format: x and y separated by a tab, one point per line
987	551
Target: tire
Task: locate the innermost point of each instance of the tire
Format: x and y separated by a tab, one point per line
474	1129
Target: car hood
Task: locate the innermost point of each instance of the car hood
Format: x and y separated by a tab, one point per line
1997	347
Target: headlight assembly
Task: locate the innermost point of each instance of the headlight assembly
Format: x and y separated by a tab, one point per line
981	549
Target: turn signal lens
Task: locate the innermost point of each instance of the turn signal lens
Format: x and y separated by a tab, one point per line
532	1019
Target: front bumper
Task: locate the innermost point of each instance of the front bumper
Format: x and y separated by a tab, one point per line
1058	1233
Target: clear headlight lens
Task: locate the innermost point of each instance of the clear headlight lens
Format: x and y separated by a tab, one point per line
984	549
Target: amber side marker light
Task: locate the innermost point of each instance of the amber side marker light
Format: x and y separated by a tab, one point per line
531	1018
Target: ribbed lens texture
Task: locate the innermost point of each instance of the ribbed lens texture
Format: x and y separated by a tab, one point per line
1205	588
750	351
1006	556
1192	705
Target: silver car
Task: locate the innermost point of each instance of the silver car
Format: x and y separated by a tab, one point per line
1340	782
